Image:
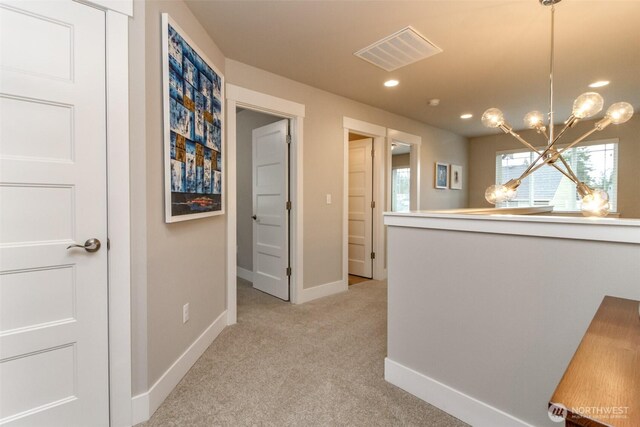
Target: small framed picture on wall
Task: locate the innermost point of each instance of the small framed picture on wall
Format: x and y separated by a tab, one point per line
456	177
442	175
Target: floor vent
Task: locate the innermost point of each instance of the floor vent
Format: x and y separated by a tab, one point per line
398	50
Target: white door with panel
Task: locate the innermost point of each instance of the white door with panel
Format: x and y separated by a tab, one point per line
53	300
360	207
270	214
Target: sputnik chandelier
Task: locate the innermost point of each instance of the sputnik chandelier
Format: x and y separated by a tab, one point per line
595	202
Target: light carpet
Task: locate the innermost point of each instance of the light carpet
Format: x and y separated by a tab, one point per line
315	364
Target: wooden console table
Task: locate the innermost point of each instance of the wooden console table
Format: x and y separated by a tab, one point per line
601	386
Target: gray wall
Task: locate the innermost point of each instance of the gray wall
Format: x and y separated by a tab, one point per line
323	160
400	160
172	263
482	160
484	323
246	121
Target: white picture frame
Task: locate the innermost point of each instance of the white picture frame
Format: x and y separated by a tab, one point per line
455	179
441	175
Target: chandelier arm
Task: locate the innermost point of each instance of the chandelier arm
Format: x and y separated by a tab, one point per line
551	67
531	169
587	134
541	155
569	170
557	137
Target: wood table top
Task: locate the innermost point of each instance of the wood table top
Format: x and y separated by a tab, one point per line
601	385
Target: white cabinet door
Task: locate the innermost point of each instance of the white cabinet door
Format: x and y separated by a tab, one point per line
360	211
270	225
53	300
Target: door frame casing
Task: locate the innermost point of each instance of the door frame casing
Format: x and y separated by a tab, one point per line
246	98
117	14
379	135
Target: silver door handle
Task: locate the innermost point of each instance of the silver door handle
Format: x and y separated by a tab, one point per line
91	245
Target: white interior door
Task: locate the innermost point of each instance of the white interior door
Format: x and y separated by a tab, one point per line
360	210
53	300
271	219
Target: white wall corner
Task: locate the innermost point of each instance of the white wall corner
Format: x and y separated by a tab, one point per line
145	404
450	400
309	294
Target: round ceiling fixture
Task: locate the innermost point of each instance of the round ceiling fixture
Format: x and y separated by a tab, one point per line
434	102
391	83
599	83
466	116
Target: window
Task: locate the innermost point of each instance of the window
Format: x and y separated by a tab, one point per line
595	164
400	189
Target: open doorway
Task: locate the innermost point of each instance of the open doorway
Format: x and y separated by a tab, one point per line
246	99
373	206
263	201
403	172
400	177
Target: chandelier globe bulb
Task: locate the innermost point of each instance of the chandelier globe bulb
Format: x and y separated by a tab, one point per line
534	120
495	193
587	105
620	112
595	204
493	118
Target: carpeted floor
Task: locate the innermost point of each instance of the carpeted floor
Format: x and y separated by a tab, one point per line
315	364
356	279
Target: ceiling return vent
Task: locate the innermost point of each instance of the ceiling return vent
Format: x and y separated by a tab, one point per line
399	49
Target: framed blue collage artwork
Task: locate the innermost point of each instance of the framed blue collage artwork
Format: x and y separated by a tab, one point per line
193	98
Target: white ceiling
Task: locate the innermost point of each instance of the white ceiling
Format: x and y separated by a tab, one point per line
496	53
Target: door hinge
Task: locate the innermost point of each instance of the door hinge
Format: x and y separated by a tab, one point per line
373	255
108	243
288	205
288	271
288	139
373	204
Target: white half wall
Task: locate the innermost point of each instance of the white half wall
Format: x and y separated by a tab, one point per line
497	317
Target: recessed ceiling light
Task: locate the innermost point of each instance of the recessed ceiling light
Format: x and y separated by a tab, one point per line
466	116
434	102
599	83
391	83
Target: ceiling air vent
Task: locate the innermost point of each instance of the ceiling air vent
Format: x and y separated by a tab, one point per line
399	49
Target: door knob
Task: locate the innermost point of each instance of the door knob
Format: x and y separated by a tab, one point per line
254	217
91	245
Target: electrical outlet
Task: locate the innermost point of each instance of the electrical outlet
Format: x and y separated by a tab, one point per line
328	199
185	313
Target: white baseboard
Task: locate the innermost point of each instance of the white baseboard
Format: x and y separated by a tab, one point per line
145	404
320	291
452	401
245	274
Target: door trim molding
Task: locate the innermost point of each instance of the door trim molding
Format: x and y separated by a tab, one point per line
379	135
118	214
242	97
